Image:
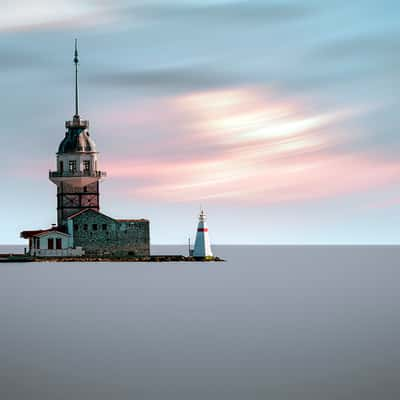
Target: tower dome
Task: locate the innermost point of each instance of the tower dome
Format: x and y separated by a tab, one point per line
77	139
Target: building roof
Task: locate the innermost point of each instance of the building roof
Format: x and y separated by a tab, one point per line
39	232
133	220
86	210
79	213
98	212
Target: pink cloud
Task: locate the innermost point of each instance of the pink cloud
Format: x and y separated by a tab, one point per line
243	145
283	180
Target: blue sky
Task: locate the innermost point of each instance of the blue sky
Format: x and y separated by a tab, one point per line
280	118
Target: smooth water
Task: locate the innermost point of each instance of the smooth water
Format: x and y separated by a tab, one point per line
270	323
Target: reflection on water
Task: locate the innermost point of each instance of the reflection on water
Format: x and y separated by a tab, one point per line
270	323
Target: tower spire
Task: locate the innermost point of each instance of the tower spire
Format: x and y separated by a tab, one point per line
76	62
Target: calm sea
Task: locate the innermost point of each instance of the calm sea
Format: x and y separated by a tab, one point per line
270	323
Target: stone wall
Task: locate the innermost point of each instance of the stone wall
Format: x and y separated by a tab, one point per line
101	235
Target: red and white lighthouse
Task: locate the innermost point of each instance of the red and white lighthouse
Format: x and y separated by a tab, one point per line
202	246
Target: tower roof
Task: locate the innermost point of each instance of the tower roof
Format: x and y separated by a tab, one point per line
77	139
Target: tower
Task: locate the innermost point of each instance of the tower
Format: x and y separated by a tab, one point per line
77	176
202	247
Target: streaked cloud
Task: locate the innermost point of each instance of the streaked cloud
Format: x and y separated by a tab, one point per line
261	181
225	12
12	59
25	15
171	79
367	45
245	145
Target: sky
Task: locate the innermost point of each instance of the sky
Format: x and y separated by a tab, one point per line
279	118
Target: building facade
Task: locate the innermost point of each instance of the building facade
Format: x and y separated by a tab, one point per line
101	235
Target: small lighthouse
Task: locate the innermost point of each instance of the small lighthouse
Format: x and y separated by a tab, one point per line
202	247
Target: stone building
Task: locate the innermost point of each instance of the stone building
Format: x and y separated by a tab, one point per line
101	235
77	177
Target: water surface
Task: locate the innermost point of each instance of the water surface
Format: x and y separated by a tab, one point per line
270	323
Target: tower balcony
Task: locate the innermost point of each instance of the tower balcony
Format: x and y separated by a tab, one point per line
78	174
77	178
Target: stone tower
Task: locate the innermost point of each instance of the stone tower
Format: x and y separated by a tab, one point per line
77	176
202	247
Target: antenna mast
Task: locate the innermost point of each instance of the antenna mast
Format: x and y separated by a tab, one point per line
76	61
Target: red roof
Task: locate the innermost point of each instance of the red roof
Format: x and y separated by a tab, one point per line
29	234
80	212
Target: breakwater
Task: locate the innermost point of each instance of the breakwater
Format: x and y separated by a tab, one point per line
155	258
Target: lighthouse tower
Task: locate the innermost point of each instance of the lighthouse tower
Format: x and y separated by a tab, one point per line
77	176
202	247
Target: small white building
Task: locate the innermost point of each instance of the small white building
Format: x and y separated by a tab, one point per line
51	243
202	246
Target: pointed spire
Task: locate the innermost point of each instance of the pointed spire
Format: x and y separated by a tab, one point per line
76	61
76	120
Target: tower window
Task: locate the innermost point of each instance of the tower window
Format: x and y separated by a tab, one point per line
76	227
61	166
72	166
86	165
94	226
85	227
104	227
